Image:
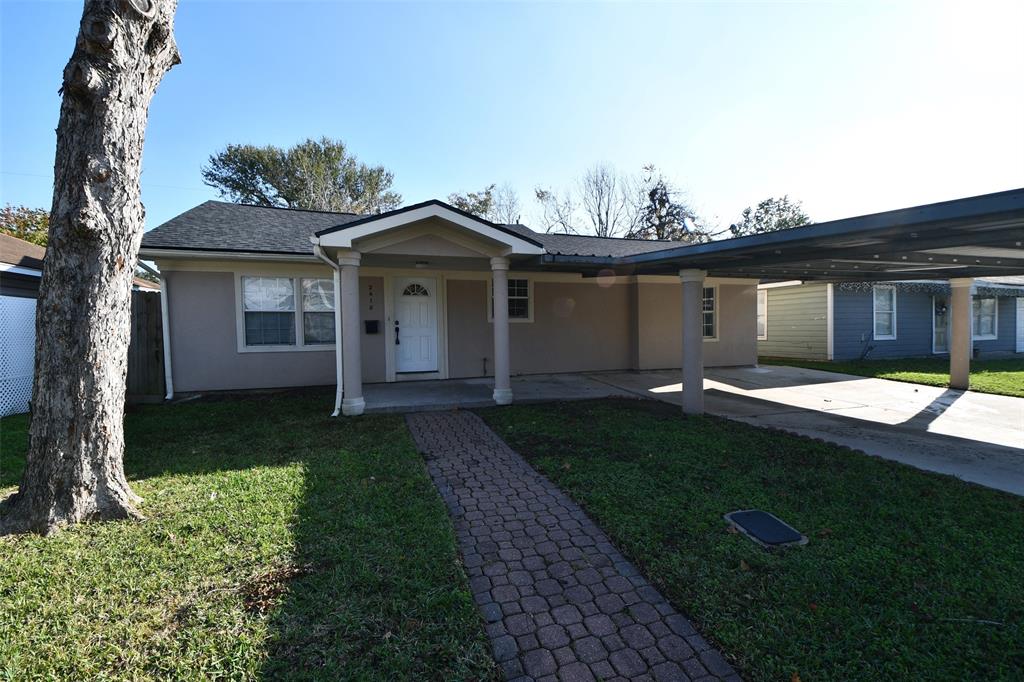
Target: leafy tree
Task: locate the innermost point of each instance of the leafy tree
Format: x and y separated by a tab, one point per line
74	468
496	204
316	174
30	224
769	216
478	203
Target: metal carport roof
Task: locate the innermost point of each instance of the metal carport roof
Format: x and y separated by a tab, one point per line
980	236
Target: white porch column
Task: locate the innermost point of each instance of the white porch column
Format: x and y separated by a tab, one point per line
693	341
352	403
499	288
960	339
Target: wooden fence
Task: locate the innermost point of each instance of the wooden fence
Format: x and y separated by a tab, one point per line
145	353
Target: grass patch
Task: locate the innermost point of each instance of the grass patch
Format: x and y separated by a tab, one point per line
279	543
1003	376
902	574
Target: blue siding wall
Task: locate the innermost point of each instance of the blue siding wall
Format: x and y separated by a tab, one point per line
853	326
1007	330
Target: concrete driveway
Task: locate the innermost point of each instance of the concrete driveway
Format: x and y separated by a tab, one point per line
974	436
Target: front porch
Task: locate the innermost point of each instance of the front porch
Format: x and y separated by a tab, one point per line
450	394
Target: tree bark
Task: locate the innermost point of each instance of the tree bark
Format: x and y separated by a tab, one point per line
74	470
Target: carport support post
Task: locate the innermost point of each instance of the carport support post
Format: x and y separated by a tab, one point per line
499	291
352	403
960	341
693	341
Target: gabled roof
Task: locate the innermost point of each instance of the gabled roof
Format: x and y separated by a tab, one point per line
223	226
227	227
347	234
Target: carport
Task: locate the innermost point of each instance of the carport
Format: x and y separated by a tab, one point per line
955	240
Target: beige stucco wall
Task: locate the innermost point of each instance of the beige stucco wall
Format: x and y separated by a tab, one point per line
577	326
659	321
589	327
204	340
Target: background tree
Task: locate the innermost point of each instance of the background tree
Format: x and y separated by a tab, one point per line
605	197
506	209
316	174
497	204
769	216
30	224
74	468
558	211
664	215
478	203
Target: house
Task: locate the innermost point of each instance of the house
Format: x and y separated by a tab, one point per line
874	320
257	297
21	268
250	295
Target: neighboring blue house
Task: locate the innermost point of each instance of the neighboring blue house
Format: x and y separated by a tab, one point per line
849	321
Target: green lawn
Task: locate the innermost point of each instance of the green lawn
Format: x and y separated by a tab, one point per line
907	576
280	543
1004	376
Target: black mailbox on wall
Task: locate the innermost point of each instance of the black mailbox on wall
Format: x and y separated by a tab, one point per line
372	326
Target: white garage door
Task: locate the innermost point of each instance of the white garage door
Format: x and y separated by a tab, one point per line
17	348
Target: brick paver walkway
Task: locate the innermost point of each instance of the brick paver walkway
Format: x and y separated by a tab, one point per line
561	603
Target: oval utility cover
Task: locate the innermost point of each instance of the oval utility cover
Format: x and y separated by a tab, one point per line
765	529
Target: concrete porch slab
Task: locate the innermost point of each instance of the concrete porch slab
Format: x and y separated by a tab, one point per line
448	394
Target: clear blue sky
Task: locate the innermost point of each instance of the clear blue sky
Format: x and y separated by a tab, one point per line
851	108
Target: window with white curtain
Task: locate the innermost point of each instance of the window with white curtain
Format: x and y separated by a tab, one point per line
269	307
985	319
317	311
762	314
884	306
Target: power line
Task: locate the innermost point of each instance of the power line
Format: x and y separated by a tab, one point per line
148	184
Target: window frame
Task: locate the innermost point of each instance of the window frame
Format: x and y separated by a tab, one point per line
874	312
761	311
995	319
530	300
300	344
714	312
303	312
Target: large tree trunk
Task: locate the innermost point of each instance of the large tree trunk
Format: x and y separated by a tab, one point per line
74	470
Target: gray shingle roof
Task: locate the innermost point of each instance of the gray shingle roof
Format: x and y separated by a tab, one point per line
221	226
583	245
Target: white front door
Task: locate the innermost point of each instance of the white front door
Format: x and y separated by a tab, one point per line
415	323
1020	325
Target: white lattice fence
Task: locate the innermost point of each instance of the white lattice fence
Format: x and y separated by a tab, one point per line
17	350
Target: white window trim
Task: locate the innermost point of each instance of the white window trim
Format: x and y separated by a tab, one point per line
718	309
760	293
300	345
530	299
995	321
874	314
